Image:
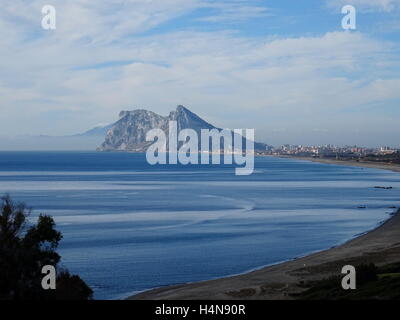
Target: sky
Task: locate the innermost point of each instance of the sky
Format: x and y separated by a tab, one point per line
286	68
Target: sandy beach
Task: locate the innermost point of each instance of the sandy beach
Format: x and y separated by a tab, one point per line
283	281
363	164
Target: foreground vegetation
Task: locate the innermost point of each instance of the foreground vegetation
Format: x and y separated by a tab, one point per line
24	249
372	283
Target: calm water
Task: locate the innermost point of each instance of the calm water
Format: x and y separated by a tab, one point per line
129	226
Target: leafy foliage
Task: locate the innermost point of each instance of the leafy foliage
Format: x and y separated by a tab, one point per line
23	253
372	283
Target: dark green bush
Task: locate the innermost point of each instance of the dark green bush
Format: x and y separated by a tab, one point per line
25	250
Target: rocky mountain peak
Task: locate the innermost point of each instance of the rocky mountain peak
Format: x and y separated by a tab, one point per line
129	132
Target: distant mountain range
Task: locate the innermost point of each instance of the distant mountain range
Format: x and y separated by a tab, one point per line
86	141
129	132
98	131
126	134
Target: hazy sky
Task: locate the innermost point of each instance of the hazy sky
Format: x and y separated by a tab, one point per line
283	67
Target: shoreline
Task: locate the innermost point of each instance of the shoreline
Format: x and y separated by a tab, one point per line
352	163
282	281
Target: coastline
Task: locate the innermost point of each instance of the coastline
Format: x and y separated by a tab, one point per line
283	281
362	164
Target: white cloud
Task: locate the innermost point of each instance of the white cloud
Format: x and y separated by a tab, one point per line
50	83
113	20
369	5
234	11
204	70
96	22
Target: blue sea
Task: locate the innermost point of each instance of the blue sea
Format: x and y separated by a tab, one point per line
129	226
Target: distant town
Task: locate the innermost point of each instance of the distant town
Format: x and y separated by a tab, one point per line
381	154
